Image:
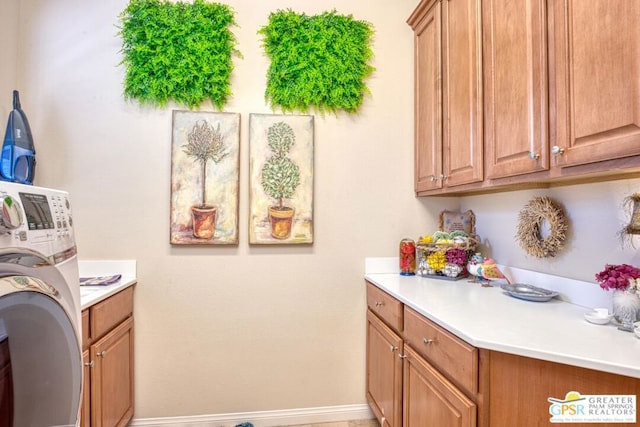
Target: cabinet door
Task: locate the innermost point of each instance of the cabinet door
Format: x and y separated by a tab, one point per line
431	400
462	92
85	410
428	100
384	372
597	70
6	385
518	388
515	87
112	377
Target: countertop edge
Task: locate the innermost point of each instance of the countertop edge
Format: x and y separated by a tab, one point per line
100	293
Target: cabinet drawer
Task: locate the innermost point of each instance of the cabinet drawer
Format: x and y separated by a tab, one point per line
385	306
106	314
456	359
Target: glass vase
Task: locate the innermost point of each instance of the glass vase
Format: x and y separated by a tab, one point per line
407	257
626	306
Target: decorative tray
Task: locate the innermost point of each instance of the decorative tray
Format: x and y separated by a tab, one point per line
528	292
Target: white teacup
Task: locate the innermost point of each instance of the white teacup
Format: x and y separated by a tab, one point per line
601	312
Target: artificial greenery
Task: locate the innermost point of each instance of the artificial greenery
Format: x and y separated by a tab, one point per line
318	61
280	175
180	51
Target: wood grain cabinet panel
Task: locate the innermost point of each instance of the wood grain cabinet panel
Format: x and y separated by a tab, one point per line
85	409
451	355
518	388
106	314
384	372
107	342
597	69
112	377
513	94
516	117
6	385
448	95
450	383
462	92
389	309
430	399
403	388
428	100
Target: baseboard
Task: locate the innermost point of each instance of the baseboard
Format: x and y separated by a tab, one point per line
278	418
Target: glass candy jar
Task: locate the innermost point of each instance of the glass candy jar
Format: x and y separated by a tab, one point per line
407	257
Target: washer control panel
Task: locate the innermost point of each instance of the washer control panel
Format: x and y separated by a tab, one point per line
38	218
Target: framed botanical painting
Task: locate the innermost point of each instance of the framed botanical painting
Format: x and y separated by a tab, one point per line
205	164
280	179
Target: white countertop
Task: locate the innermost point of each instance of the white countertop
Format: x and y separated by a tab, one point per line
90	295
486	317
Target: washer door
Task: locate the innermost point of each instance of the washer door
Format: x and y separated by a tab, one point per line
45	354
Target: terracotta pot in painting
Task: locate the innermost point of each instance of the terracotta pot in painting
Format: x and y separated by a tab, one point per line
204	221
281	219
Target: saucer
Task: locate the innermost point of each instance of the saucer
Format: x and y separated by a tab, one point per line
595	318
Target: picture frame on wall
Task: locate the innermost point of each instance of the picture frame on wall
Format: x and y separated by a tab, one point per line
205	171
281	179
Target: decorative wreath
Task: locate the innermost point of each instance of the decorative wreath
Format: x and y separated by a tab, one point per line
632	203
532	217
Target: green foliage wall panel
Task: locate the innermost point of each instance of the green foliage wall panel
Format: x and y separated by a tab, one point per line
318	61
180	51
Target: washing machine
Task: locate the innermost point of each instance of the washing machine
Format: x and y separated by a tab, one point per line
40	318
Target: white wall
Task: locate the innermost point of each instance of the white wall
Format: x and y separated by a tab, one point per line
8	62
227	329
595	213
235	329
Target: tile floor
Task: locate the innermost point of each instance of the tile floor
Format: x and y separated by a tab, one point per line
354	423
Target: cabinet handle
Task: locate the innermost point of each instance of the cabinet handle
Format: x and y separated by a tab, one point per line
379	303
427	341
443	177
534	156
557	151
434	178
102	354
392	348
402	356
90	364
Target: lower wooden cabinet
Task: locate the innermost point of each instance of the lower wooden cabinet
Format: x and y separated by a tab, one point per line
384	372
429	399
403	389
108	399
518	388
421	375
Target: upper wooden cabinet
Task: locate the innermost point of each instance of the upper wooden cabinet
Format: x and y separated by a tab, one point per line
596	70
555	97
428	99
516	117
448	94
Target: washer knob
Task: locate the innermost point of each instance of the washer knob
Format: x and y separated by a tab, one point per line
10	215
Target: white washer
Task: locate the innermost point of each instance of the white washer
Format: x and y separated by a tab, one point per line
40	319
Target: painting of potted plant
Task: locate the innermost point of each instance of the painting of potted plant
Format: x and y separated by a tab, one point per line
280	178
281	152
205	178
204	143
